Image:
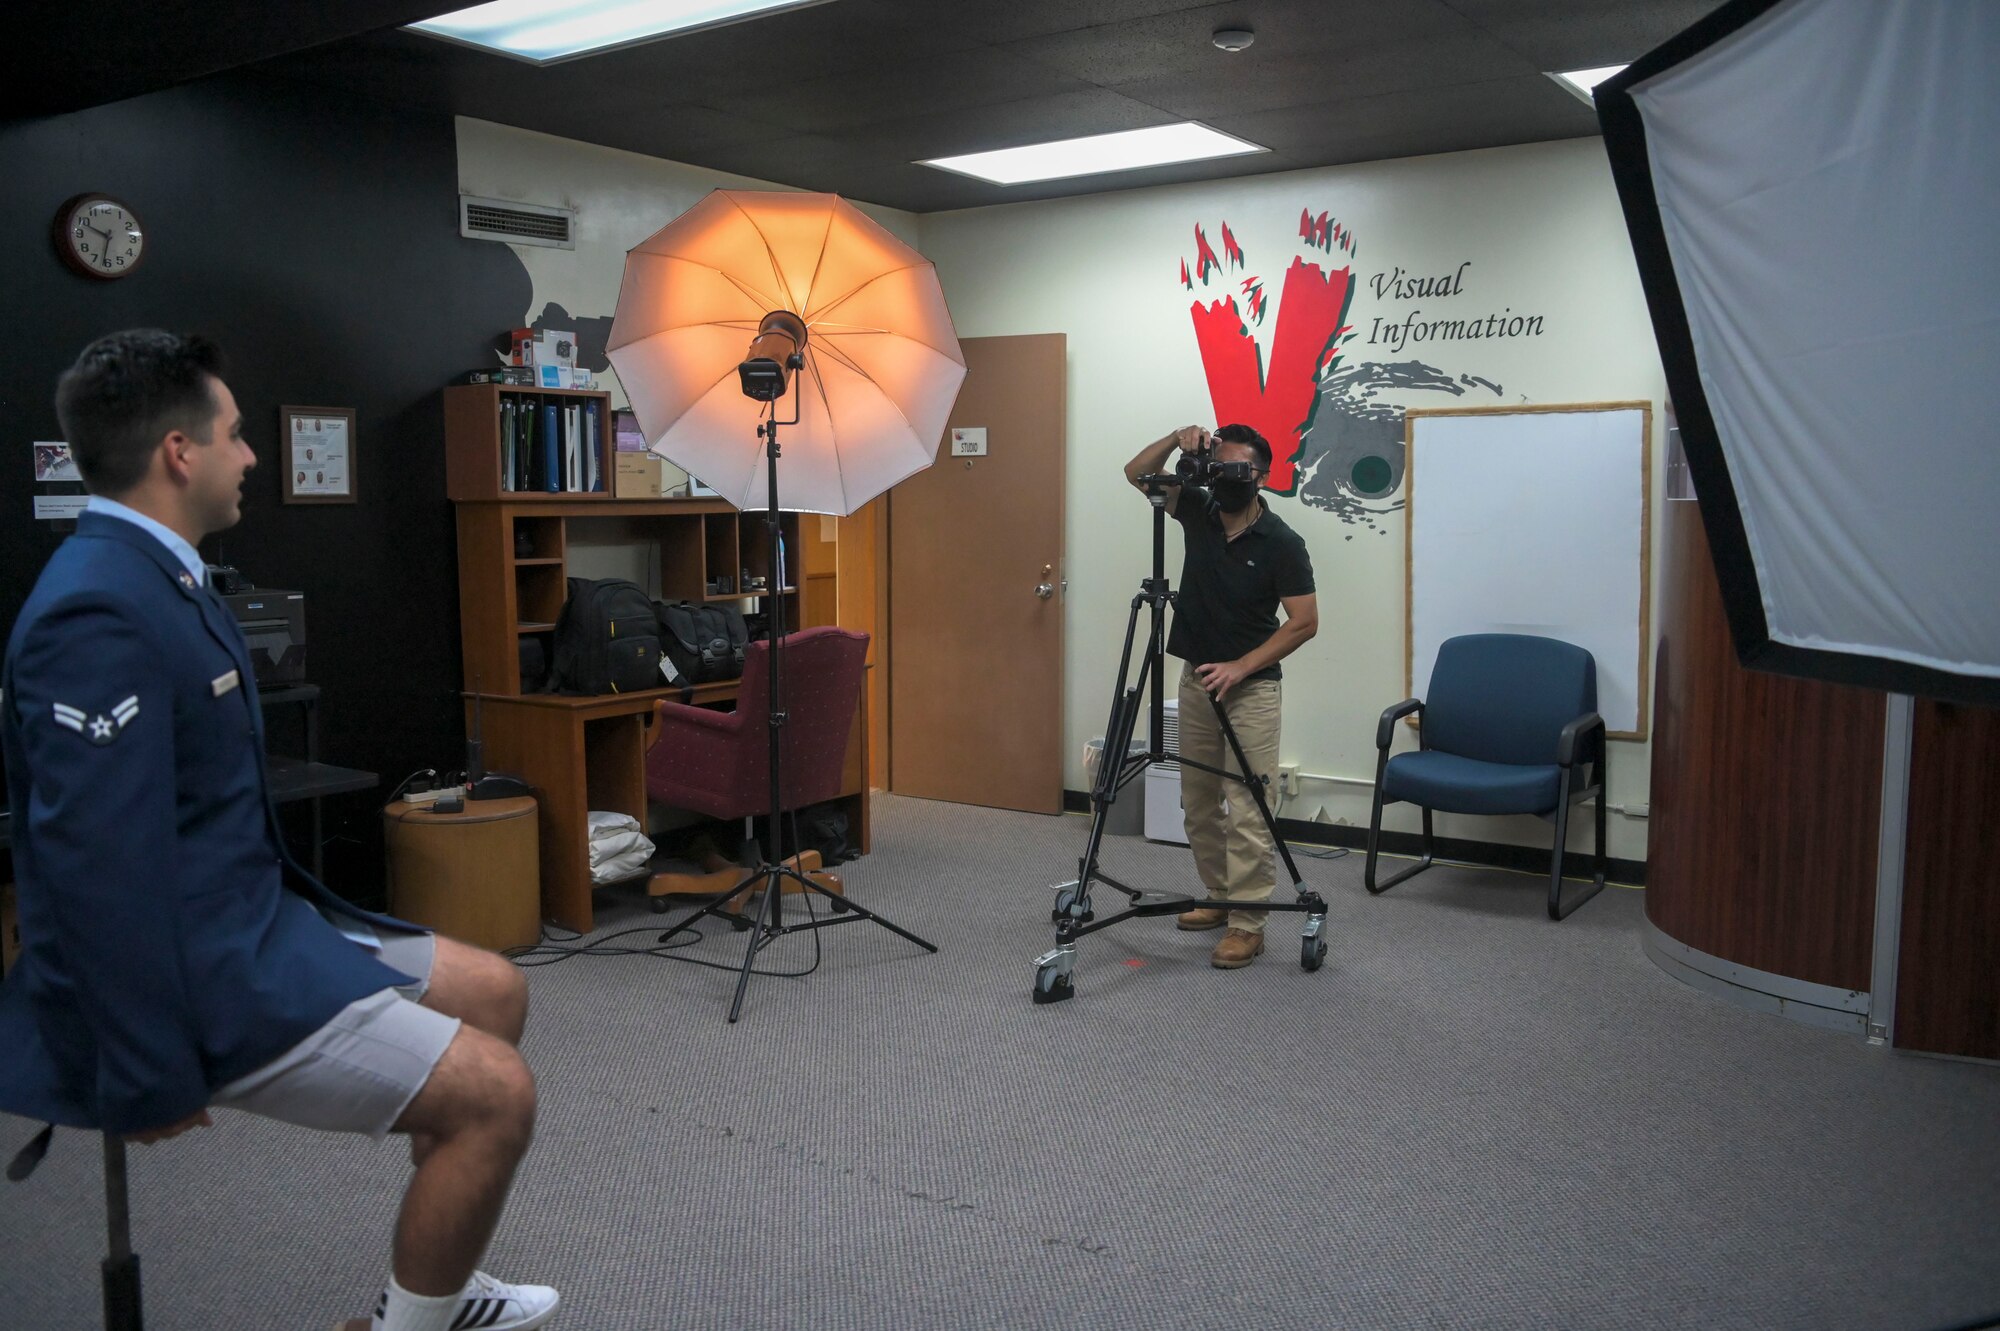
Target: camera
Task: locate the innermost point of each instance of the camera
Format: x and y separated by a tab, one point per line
1201	467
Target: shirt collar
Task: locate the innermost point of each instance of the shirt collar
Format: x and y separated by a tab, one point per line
159	531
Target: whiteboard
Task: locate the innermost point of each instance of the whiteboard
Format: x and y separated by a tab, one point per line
1533	520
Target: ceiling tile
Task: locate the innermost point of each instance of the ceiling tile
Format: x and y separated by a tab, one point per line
1012	124
1181	46
1277	80
948	81
1012	20
1582	34
1404	124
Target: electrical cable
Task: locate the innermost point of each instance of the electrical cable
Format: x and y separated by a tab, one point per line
550	949
404	785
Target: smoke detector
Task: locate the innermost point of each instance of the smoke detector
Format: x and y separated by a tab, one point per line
1233	39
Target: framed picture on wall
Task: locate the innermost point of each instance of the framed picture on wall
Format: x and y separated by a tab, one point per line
318	454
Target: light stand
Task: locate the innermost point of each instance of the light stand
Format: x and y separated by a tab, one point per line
1073	914
767	384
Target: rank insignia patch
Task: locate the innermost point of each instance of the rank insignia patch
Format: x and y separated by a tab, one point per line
99	729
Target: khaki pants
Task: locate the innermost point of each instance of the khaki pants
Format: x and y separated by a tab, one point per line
1233	850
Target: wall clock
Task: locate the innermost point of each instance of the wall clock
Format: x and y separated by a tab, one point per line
99	237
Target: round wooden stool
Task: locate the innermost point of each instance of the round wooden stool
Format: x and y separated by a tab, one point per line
474	876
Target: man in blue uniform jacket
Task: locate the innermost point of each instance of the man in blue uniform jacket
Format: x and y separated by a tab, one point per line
175	958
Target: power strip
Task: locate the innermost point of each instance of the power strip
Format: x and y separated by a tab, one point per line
426	796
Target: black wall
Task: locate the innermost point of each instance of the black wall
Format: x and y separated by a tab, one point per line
317	240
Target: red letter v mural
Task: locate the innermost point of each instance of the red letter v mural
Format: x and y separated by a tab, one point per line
1277	400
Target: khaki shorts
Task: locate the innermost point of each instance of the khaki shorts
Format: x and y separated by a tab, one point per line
360	1071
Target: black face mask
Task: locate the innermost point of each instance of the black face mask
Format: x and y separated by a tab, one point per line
1234	496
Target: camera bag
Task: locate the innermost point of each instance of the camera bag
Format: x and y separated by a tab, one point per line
607	639
702	642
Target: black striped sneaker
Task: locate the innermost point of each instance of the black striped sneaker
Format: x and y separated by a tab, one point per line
492	1305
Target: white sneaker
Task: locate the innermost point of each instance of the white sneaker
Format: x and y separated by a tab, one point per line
493	1305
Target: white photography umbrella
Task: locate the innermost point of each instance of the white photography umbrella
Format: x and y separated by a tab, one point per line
882	365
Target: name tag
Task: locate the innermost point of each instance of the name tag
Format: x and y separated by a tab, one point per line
224	683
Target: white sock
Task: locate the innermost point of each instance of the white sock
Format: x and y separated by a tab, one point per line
404	1311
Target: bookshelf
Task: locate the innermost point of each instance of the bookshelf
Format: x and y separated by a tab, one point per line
474	445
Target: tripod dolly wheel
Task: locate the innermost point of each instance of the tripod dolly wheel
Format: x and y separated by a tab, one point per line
658	905
1066	903
1052	975
1312	947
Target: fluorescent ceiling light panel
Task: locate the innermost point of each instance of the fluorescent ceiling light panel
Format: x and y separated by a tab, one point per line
1097	153
545	31
1583	82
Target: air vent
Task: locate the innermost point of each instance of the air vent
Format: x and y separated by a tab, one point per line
516	223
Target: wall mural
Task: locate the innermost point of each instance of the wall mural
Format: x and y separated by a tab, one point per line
1335	421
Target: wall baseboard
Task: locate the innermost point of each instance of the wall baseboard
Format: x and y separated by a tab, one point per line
1491	854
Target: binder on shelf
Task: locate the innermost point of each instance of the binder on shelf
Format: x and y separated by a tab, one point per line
507	443
524	444
526	421
552	473
593	453
573	448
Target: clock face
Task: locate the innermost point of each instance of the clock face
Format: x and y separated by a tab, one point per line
100	236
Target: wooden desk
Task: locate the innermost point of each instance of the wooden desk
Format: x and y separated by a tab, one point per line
581	754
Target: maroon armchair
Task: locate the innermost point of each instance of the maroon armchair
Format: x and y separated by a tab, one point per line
718	763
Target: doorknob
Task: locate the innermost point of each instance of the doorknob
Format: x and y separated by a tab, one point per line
1046	588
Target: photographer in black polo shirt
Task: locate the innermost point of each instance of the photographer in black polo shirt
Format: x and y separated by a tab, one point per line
1242	563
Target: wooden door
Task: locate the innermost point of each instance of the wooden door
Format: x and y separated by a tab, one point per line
975	667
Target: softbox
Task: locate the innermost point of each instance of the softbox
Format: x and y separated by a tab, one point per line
1812	190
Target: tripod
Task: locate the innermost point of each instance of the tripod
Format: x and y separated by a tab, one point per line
771	925
1073	914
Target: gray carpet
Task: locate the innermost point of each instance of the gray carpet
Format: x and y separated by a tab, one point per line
1470	1118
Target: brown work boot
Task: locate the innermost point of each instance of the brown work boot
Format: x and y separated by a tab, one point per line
1202	917
1238	948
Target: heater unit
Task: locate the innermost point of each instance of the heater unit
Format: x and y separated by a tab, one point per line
1163	785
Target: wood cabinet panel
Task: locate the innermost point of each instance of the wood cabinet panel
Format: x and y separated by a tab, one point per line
1766	794
1948	979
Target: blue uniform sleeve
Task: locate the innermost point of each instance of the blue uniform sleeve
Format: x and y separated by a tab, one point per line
95	712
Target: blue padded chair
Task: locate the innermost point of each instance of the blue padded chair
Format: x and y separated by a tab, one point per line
1511	726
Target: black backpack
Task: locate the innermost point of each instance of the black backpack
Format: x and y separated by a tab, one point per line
607	639
702	642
